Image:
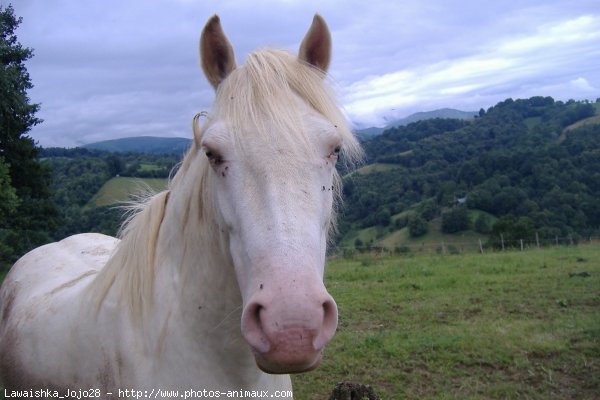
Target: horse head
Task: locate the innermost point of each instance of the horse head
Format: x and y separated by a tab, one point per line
272	142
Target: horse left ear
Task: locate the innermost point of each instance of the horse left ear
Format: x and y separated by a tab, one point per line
316	45
216	53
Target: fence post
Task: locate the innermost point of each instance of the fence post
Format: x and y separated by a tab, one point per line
521	244
502	241
480	246
537	240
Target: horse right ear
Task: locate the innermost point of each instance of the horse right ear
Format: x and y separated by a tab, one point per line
216	53
315	48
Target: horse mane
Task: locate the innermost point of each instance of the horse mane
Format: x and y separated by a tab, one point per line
262	91
133	260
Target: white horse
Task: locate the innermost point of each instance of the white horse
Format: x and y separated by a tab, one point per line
217	283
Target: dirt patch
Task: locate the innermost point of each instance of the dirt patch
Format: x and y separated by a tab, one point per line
353	391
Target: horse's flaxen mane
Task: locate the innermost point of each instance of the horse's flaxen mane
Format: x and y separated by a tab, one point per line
262	93
133	260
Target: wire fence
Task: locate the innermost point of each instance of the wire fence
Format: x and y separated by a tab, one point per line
461	246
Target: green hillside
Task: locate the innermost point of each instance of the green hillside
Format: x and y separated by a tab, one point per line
121	189
367	133
433	241
520	168
593	120
143	144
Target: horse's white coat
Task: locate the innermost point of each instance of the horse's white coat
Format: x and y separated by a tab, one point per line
216	277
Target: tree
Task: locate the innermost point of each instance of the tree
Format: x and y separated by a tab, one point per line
8	196
511	230
482	224
115	164
429	210
35	214
383	217
417	227
455	220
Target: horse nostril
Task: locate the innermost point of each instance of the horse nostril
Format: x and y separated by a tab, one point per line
330	321
253	329
256	313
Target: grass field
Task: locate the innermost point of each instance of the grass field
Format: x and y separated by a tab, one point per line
509	325
492	326
121	188
371	168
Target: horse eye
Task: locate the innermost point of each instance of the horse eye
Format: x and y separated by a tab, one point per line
336	152
214	158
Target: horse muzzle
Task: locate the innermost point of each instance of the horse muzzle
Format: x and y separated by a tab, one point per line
288	331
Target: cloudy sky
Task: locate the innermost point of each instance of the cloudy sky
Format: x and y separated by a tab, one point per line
116	68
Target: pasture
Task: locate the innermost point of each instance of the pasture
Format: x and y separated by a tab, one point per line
493	326
122	188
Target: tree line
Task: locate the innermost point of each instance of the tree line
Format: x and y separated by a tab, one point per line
519	164
27	213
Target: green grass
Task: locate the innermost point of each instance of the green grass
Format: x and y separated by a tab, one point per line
492	326
372	168
121	189
588	121
146	167
509	325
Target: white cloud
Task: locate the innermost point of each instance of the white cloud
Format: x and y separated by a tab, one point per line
583	85
511	63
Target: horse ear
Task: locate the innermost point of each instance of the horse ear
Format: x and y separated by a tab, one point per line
216	53
316	45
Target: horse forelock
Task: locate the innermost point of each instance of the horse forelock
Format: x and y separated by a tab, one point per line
264	94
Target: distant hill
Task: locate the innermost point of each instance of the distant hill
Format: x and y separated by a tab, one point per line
177	145
420	116
143	144
523	167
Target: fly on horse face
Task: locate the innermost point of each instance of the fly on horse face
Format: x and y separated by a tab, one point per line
217	282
